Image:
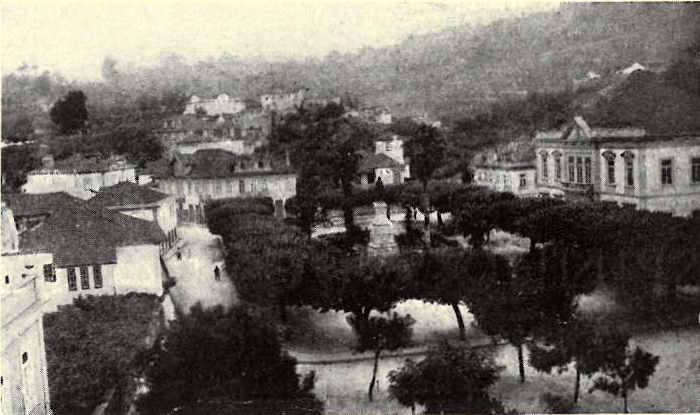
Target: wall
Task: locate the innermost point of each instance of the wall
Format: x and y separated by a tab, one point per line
234	146
78	184
25	384
57	293
506	180
138	269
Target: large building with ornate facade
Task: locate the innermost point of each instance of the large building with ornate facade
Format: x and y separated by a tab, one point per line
630	166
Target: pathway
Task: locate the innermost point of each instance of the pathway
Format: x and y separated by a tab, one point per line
194	273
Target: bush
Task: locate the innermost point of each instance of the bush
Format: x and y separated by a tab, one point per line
557	404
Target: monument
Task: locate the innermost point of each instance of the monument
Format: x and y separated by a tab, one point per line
381	233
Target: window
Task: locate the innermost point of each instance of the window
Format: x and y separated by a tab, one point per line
84	278
97	275
49	273
557	168
241	186
611	169
667	171
523	180
571	170
695	170
545	172
189	186
72	283
629	171
579	170
178	186
217	187
198	186
587	169
231	186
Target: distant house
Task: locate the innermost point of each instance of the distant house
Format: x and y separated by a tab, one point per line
379	115
217	174
140	202
514	177
652	171
25	387
282	102
221	104
79	176
94	251
386	163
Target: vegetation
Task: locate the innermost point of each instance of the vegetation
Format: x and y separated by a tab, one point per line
70	113
209	354
450	380
92	346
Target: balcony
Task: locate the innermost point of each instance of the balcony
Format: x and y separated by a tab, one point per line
577	187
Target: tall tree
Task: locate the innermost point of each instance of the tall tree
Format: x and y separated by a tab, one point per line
378	334
213	353
70	112
426	152
449	380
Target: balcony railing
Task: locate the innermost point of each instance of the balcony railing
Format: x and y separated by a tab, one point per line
577	187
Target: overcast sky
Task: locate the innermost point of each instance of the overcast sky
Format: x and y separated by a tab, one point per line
73	37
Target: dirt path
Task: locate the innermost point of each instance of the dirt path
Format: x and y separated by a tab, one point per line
194	273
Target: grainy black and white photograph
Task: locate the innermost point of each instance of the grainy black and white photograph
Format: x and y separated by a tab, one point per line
339	207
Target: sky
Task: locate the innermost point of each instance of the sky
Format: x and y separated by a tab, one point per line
74	37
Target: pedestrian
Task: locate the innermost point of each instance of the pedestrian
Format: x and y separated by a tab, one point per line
217	273
179	255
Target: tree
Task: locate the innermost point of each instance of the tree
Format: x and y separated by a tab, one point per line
69	112
449	380
426	150
623	370
17	161
215	353
378	334
556	349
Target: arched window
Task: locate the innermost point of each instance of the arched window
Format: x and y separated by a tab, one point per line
545	171
628	156
610	163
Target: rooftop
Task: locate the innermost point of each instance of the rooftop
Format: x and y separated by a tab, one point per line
377	161
25	204
216	163
79	235
125	194
78	163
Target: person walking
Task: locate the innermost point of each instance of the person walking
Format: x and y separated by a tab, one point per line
217	273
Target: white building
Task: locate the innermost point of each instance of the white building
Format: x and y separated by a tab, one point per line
24	386
221	104
625	165
387	162
95	252
79	176
140	202
514	177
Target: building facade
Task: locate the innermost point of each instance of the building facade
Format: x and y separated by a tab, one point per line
24	386
282	102
387	162
79	176
625	165
95	252
514	177
221	104
215	174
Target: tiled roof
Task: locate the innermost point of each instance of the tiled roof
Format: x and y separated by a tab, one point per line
217	163
377	161
81	235
504	165
125	193
25	204
80	164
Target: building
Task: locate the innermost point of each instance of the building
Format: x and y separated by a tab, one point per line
379	115
140	202
630	166
217	174
241	133
502	176
79	176
221	104
95	252
387	162
282	102
24	386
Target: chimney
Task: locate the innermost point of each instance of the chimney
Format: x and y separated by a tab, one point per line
47	162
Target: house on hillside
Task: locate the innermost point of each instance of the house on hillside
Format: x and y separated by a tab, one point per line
95	252
387	162
78	175
503	176
221	104
630	166
216	174
24	382
140	202
282	102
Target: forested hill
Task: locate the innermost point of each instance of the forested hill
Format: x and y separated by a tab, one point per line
445	73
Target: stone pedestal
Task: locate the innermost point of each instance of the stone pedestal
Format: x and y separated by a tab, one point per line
381	233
